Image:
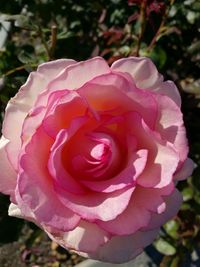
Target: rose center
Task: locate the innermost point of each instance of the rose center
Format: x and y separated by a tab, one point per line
95	155
100	151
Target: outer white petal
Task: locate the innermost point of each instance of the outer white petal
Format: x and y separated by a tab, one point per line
86	237
7	175
14	211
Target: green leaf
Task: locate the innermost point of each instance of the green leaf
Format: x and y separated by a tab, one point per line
26	57
187	194
185	206
21	21
171	228
125	50
65	35
197	197
164	247
158	55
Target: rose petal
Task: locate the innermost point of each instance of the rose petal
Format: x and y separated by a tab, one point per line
124	248
146	76
86	237
130	221
35	186
142	69
138	213
80	73
170	125
162	159
61	108
15	211
52	68
126	177
169	89
95	205
185	170
113	92
63	111
19	106
173	203
56	168
8	175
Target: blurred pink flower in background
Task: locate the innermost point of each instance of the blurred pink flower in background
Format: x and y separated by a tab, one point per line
92	154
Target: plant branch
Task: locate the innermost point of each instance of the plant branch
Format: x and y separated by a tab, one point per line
164	18
53	40
17	69
40	32
143	26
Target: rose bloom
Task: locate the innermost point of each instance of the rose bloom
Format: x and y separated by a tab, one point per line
92	154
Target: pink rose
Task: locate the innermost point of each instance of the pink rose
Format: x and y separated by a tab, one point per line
92	154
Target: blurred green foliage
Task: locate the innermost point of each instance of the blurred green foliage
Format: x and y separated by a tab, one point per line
166	31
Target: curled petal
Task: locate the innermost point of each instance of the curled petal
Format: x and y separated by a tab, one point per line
171	127
56	168
60	113
127	177
142	69
35	187
146	76
114	92
185	170
162	158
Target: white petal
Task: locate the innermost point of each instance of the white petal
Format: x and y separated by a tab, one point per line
14	211
7	175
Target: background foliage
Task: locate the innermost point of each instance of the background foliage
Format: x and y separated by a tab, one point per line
166	31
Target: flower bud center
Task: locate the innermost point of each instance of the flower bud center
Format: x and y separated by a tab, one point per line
100	151
95	157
